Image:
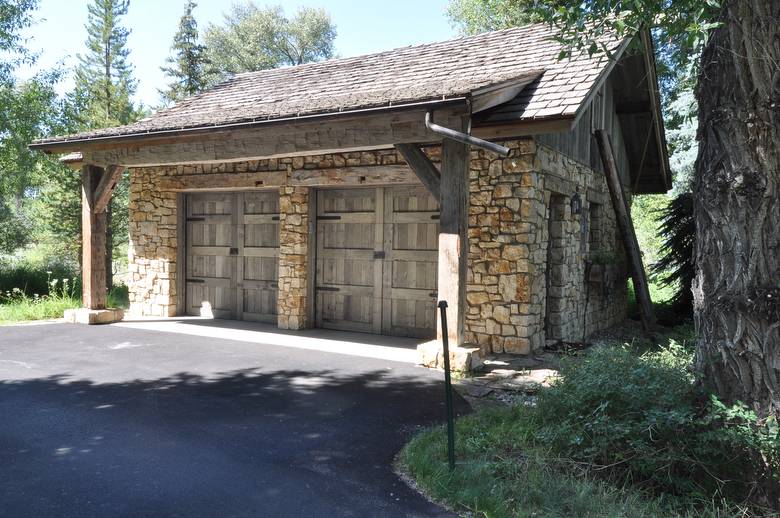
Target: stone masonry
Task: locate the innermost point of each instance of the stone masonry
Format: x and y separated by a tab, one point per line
530	278
293	257
153	213
509	258
153	244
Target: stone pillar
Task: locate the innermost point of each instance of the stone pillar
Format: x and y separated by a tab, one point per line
153	248
503	309
292	301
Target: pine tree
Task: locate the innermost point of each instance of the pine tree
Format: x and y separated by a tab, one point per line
188	66
102	96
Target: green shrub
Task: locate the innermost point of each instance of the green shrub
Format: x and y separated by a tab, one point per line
639	419
118	297
500	473
32	277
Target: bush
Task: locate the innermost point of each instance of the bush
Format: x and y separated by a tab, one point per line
676	267
640	420
32	277
500	473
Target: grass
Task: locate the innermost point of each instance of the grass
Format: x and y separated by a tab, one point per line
499	474
23	308
661	296
17	306
621	434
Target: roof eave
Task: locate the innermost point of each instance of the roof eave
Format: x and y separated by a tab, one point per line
655	101
70	145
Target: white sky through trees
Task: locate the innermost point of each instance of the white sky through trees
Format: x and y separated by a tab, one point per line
363	27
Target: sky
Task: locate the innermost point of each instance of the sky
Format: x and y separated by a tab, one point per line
362	27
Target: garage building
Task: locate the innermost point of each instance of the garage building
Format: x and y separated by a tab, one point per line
353	193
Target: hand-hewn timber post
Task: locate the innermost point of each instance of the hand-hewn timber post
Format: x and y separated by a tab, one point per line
93	231
626	228
453	240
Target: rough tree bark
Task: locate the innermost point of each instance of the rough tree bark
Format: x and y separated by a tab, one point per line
737	207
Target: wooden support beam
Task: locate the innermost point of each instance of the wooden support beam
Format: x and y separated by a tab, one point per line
374	131
422	166
106	187
453	238
339	176
626	228
93	231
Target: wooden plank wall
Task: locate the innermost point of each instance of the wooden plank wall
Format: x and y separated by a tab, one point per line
580	144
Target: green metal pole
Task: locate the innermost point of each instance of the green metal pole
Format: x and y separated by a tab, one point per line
447	386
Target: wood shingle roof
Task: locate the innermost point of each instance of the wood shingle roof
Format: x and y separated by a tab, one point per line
438	71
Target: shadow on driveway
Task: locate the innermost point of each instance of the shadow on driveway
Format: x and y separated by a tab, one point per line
246	442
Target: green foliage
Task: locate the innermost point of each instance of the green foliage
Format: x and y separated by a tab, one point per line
43	288
676	266
501	473
15	16
188	67
619	433
60	293
254	38
29	110
681	121
32	277
475	16
104	77
640	420
59	210
682	25
645	213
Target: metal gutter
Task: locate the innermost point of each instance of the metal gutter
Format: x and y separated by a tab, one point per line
58	144
465	138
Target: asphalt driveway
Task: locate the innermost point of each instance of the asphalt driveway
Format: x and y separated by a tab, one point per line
111	421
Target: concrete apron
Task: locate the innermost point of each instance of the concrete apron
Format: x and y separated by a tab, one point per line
364	345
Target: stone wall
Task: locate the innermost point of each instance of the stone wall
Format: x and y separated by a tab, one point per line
153	225
518	256
153	243
502	302
293	257
511	241
587	268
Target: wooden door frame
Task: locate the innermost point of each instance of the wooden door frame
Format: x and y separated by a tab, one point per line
181	254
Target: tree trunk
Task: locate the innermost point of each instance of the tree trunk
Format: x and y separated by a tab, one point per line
737	208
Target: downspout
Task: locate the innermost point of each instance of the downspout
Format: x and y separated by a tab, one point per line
465	138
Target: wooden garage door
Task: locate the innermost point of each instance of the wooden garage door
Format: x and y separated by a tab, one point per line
232	251
376	260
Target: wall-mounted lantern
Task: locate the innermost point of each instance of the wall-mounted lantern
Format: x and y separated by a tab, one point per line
576	203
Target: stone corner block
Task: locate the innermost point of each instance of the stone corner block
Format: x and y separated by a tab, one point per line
464	358
93	316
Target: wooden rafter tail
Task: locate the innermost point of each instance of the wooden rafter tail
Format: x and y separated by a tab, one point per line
626	228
